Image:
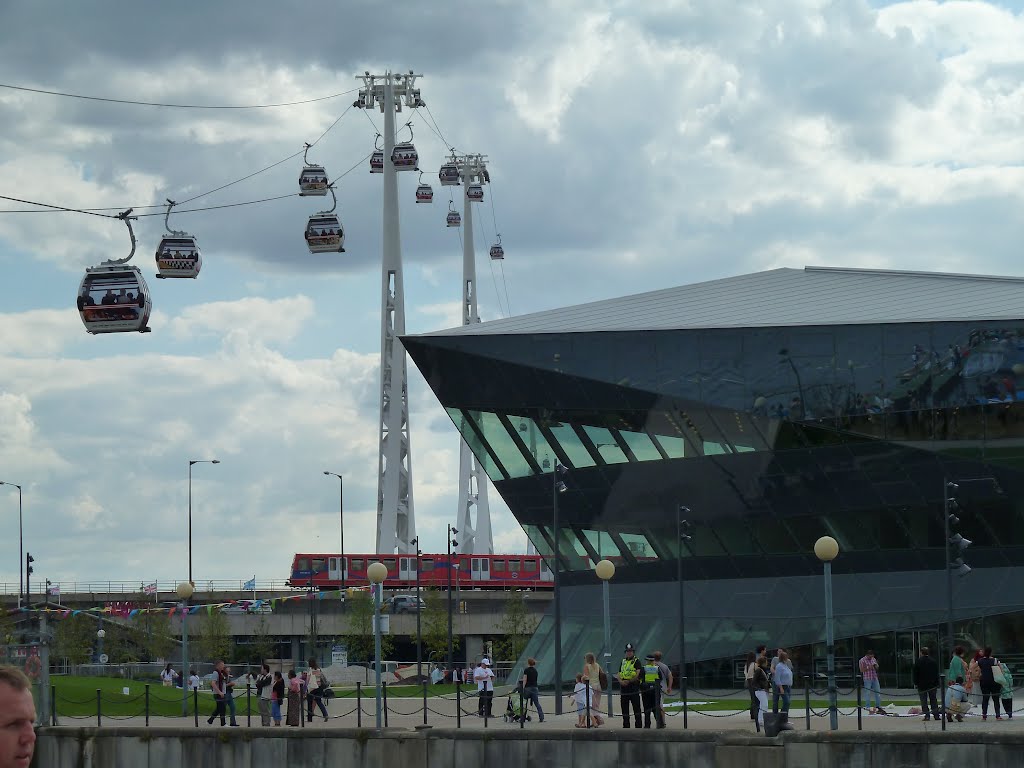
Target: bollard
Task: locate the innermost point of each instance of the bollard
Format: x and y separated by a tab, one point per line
424	700
458	704
99	708
942	697
684	690
195	705
522	711
588	701
53	705
359	705
807	700
384	691
860	723
611	695
248	706
147	706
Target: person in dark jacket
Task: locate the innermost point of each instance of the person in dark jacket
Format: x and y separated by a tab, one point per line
630	675
926	680
990	689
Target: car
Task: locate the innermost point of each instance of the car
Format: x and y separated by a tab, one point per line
406	603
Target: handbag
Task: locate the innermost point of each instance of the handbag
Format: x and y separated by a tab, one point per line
997	674
602	680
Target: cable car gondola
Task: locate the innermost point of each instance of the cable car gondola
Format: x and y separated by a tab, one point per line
377	161
475	193
404	155
497	252
114	297
324	233
313	179
449	175
424	192
454	219
178	254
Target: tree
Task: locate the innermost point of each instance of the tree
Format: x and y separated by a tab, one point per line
74	638
435	625
153	635
359	639
213	638
517	625
263	646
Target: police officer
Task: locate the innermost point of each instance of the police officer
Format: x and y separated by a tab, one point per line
650	691
630	676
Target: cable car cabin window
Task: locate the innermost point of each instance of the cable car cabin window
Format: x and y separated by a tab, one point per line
302	564
357	564
530	566
426	564
178	248
319	564
116	296
498	566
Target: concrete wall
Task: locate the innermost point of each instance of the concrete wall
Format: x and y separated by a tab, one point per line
511	747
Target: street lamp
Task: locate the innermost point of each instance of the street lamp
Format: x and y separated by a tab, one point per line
191	462
21	546
185	590
605	570
557	486
377	572
419	631
451	543
683	529
826	549
100	634
341	521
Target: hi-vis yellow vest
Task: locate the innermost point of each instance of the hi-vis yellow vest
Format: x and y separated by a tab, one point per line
651	673
629	670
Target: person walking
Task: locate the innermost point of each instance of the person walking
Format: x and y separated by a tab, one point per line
630	676
869	674
219	696
990	687
265	690
592	673
531	688
748	677
315	690
926	680
650	692
782	682
761	686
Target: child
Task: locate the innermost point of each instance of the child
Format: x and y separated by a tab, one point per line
583	695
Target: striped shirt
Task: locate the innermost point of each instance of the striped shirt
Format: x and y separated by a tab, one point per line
869	668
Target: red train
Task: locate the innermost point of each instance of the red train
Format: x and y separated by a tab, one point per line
323	571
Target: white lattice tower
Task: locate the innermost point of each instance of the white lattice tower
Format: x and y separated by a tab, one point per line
474	513
396	523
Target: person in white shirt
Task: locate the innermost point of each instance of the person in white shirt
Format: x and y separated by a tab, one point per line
484	679
583	694
167	676
264	686
194	682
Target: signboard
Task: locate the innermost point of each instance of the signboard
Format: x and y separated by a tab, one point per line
104	658
385	624
339	656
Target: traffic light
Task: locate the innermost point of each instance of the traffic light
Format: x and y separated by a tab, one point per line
28	573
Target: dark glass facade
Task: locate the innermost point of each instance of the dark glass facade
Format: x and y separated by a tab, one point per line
772	437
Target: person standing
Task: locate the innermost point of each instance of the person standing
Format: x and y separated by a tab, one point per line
265	690
1006	694
531	689
276	698
167	677
229	693
782	682
294	698
650	692
973	680
315	690
748	678
593	673
219	695
17	718
666	682
630	676
990	688
926	680
761	686
484	679
869	674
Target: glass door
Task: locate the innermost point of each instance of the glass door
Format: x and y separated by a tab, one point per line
908	649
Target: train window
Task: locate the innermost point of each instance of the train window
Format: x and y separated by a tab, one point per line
426	564
530	566
513	565
390	562
319	564
498	565
357	564
302	564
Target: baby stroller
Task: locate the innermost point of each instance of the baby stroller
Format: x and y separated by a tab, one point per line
514	713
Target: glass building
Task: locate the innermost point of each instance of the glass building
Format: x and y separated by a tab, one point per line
775	407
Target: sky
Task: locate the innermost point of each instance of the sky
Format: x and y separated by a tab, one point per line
631	146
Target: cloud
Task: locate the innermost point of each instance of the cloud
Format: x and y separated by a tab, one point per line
254	319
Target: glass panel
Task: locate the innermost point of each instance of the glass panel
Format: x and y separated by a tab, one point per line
501	443
641	446
602	544
571	446
736	537
530	566
530	434
477	447
498	566
605	444
638	546
514	566
675	447
319	565
357	564
427	564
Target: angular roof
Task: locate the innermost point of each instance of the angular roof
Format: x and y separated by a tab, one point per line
782	297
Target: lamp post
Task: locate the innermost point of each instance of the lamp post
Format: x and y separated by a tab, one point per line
341	522
957	540
683	528
605	570
826	549
377	572
100	634
21	547
451	543
192	462
184	590
557	487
